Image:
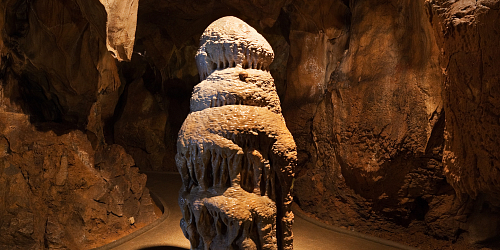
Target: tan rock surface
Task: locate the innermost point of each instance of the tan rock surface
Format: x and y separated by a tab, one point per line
234	152
236	86
120	27
468	38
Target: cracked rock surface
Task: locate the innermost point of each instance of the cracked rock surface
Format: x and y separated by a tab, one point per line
63	185
57	192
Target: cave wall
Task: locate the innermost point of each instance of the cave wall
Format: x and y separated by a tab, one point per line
364	93
62	185
57	192
393	104
370	129
468	36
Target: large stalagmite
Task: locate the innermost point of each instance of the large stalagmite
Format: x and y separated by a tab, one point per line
234	152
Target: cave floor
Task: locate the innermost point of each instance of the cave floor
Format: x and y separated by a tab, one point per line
166	234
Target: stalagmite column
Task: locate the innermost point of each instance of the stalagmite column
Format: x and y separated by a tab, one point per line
234	152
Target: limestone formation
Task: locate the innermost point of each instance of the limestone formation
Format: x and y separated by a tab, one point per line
64	183
120	27
230	42
234	151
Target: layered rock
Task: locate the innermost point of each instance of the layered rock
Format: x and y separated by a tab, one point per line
229	44
234	152
370	112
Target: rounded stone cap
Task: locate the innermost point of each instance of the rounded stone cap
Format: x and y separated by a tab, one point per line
230	42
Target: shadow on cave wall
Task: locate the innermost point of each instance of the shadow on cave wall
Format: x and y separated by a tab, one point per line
39	78
167	36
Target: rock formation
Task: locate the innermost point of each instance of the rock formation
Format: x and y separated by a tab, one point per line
58	192
393	105
63	185
234	152
468	35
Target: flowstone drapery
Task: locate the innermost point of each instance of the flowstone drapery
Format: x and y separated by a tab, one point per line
234	152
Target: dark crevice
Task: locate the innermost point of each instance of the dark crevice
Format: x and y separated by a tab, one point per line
284	24
296	200
420	209
5	63
129	72
43	106
436	140
209	178
16	18
234	244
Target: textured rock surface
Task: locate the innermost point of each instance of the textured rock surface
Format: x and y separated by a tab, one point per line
468	37
57	192
141	127
236	87
375	93
120	27
370	121
234	152
62	185
231	42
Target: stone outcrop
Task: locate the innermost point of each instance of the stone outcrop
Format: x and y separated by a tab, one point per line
234	152
370	115
120	27
468	38
63	183
57	192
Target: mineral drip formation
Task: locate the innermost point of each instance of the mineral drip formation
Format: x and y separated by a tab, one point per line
234	152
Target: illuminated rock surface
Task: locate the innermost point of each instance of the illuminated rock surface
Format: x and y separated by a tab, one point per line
62	185
392	104
58	192
234	152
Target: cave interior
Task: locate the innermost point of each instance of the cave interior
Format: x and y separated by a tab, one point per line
394	107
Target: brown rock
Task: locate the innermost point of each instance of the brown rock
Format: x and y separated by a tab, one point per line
55	189
141	127
467	35
370	125
365	86
56	195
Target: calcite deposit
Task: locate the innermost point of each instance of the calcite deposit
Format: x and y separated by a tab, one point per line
234	151
230	42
